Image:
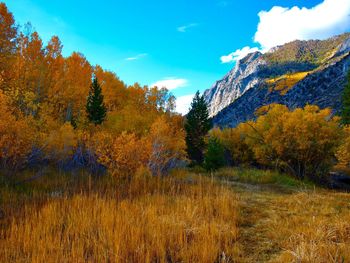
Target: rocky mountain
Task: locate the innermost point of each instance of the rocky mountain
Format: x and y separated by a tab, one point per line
295	74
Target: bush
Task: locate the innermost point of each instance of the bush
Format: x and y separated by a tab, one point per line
59	146
215	155
122	154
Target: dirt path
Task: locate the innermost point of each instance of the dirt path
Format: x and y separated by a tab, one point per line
258	206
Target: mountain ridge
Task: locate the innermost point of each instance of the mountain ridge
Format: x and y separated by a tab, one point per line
295	74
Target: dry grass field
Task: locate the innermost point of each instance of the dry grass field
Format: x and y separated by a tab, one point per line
177	219
187	217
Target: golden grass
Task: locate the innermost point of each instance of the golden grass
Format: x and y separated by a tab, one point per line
314	228
285	82
177	219
186	217
305	226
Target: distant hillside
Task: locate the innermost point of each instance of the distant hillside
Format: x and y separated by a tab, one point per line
295	74
314	52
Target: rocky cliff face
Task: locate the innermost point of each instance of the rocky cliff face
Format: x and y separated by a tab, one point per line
296	74
240	79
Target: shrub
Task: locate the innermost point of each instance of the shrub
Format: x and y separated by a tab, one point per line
215	155
122	154
59	146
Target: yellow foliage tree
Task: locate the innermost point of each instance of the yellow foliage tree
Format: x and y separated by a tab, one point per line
167	137
302	141
234	140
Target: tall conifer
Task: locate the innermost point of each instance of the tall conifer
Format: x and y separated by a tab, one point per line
95	107
197	127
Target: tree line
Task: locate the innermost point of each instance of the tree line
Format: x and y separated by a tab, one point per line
63	111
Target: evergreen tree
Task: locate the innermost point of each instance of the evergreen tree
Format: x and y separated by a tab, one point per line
95	107
197	126
215	155
345	113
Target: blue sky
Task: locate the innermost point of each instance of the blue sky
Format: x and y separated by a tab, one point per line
184	44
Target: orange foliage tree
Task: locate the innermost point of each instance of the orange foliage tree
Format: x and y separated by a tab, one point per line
8	32
16	137
122	154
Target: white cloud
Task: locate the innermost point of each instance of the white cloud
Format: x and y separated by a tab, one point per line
238	54
171	83
139	56
183	103
281	25
184	28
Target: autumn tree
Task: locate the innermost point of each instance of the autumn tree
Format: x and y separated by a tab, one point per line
30	90
77	80
234	141
302	142
55	78
95	107
345	113
8	33
113	89
16	137
197	127
168	145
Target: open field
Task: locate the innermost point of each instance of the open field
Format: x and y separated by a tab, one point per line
65	219
188	217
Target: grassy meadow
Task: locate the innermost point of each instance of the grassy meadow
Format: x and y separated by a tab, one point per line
78	218
233	215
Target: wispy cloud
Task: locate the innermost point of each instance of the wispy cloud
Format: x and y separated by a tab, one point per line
183	103
139	56
171	83
238	54
183	29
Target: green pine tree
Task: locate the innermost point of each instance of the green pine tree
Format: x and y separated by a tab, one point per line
345	113
197	126
215	155
95	107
